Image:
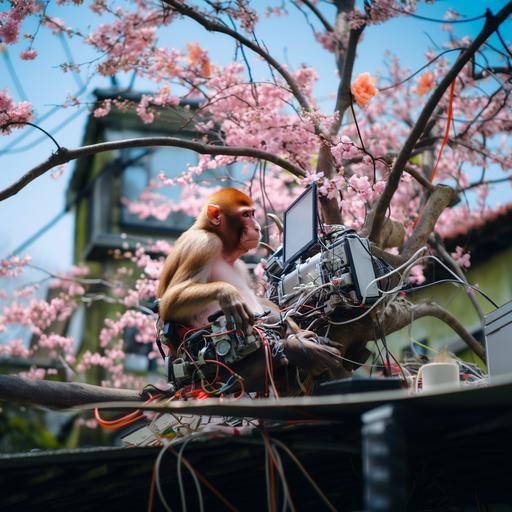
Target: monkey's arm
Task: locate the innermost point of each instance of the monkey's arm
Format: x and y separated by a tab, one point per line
188	291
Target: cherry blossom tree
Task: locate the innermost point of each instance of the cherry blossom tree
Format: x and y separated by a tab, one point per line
391	159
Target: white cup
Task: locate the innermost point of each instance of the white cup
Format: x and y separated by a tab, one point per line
435	375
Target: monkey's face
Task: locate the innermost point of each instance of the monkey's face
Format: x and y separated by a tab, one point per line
250	229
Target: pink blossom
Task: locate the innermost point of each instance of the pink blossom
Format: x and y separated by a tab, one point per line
103	109
328	40
30	54
461	257
58	171
56	25
11	112
14	348
359	183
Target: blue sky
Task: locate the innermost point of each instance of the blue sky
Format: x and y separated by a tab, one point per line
45	85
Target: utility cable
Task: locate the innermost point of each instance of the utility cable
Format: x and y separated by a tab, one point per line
78	197
17	84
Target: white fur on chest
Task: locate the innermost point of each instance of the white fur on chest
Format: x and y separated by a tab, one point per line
235	275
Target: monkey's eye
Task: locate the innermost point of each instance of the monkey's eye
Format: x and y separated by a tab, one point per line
247	214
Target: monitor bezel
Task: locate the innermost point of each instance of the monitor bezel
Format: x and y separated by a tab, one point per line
314	240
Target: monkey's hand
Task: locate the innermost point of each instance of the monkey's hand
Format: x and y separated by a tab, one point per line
235	310
304	353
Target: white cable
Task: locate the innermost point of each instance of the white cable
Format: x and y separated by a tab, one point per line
267	480
157	475
284	483
419	251
360	316
194	476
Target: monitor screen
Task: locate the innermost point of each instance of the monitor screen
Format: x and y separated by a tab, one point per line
300	225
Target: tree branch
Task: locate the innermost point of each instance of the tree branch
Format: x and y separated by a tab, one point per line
436	311
59	394
492	22
214	26
319	15
64	155
345	62
440	198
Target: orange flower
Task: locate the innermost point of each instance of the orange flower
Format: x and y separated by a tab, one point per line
197	56
425	83
364	89
195	53
205	67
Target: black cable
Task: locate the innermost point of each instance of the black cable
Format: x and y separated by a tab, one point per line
79	196
14	123
453	281
458	49
14	76
435	20
503	42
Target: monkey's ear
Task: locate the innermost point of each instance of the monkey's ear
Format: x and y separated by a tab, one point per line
213	211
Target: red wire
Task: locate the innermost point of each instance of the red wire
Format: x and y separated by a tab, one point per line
447	131
268	363
123	421
443	144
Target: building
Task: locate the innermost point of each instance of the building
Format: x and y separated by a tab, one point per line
490	245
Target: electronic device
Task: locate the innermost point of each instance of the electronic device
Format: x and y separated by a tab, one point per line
498	341
300	225
338	264
198	355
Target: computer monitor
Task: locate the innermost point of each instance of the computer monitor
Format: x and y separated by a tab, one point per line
300	225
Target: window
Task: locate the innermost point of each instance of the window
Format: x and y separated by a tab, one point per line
140	166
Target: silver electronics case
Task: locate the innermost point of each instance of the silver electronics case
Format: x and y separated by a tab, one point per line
361	266
498	341
312	271
345	263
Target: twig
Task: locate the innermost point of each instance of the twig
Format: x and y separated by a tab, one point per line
437	243
215	26
319	15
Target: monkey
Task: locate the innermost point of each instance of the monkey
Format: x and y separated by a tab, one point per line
204	273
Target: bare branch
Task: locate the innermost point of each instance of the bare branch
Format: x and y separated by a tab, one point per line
60	394
64	155
419	178
492	22
312	7
485	182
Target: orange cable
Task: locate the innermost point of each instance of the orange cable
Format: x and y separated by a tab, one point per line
443	144
447	131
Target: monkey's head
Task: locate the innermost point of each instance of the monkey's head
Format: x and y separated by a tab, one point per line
230	214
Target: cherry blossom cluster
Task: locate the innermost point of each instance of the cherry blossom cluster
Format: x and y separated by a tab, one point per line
11	112
13	266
